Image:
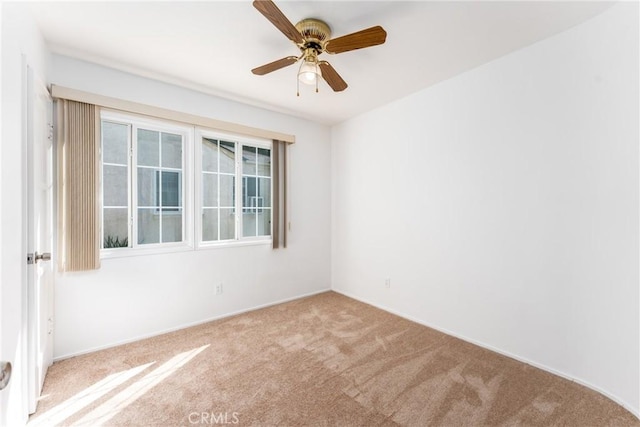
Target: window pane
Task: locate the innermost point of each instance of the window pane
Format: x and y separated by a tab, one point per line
114	185
227	190
248	222
148	148
209	190
171	188
171	150
264	162
264	222
148	226
264	191
227	157
227	224
115	228
115	138
172	226
209	225
209	155
249	160
148	187
249	196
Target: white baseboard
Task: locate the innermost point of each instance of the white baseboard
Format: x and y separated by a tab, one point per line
499	351
186	325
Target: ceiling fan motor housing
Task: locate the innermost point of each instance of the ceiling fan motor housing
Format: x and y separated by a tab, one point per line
315	33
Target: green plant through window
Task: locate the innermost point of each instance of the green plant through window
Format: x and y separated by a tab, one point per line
111	242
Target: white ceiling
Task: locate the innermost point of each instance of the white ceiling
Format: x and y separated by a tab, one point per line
211	46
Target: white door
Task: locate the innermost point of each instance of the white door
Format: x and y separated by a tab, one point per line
39	235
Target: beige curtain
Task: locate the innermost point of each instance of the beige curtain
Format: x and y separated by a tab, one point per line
279	197
78	142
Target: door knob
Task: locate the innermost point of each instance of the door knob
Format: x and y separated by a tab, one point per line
5	374
46	256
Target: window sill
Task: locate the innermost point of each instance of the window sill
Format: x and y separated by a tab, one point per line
234	244
130	252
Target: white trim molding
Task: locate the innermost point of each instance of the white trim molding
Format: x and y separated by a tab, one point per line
62	92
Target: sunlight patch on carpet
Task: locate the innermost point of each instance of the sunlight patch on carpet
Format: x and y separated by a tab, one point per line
103	413
66	409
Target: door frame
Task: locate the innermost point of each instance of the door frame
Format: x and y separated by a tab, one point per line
36	368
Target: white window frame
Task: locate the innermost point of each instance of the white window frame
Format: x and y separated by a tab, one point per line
239	141
135	122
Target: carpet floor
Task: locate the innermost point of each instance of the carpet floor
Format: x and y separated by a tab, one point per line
325	360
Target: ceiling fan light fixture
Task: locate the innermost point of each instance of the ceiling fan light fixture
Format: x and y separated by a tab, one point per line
309	72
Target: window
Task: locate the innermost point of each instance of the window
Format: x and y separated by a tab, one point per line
143	190
159	163
148	186
256	191
225	163
115	184
218	190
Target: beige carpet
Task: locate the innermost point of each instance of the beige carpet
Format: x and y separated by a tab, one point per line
325	360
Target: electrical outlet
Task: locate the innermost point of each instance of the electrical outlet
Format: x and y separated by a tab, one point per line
387	282
219	289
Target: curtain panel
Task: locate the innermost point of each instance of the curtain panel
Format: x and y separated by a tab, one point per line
78	156
280	222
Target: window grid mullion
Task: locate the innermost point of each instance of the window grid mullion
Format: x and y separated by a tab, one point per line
257	199
130	183
219	219
239	187
133	188
183	198
160	183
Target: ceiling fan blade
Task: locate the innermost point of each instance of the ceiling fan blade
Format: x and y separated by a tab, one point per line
332	77
366	38
277	18
275	65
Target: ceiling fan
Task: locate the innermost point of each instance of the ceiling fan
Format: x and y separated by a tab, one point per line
313	37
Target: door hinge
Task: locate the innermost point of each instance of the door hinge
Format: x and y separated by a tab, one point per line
30	258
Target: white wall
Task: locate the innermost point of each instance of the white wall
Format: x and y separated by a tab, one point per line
20	36
504	205
139	296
